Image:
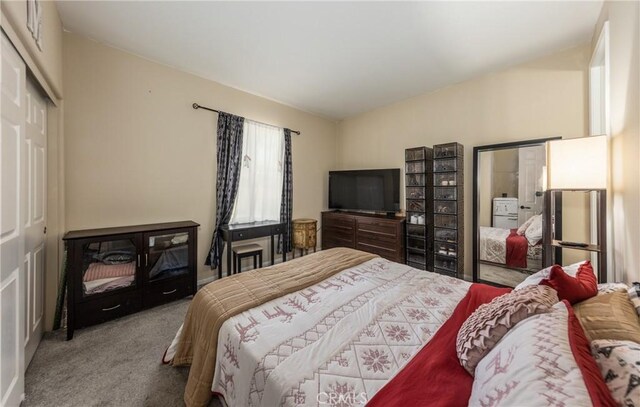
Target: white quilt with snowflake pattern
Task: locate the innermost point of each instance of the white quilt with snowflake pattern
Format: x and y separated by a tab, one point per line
493	244
347	335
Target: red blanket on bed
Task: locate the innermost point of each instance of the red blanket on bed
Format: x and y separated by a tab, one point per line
516	250
434	377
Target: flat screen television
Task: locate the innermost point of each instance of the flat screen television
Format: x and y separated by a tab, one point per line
365	190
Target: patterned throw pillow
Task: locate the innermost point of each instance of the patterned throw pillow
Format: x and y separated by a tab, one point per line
619	363
634	296
544	361
491	321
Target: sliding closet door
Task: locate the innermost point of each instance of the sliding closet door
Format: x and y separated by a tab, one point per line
35	195
12	220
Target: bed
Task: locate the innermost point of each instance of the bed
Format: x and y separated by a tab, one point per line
337	327
516	248
507	247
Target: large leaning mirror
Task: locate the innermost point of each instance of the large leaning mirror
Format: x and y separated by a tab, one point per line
510	240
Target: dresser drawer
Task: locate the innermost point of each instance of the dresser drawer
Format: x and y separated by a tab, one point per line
376	238
387	253
161	292
338	237
246	234
378	226
106	308
339	222
338	232
329	242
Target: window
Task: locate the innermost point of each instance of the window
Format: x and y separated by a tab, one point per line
260	189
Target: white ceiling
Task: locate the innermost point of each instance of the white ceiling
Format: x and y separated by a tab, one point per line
335	59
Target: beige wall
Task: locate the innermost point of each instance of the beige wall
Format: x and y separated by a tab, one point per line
542	98
55	208
136	152
505	173
576	224
485	188
624	189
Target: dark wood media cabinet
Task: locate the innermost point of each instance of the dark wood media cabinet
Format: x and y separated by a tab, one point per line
117	271
377	234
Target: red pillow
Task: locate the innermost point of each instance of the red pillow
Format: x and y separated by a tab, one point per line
573	289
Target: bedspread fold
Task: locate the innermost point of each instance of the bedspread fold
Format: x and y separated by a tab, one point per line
225	298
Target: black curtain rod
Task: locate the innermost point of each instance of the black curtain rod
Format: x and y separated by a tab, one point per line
197	106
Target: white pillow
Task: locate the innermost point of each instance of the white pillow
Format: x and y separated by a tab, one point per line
523	228
534	231
532	365
536	278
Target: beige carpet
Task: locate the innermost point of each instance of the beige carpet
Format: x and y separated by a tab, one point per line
117	363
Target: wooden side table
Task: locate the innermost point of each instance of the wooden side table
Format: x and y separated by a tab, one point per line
304	235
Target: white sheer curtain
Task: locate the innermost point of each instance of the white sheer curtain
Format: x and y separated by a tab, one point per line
260	189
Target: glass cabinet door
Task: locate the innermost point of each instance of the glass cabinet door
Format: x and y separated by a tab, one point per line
108	265
166	255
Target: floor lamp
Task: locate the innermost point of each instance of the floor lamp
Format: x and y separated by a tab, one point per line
580	164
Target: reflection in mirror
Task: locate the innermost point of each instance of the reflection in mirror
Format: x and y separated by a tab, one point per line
576	226
509	213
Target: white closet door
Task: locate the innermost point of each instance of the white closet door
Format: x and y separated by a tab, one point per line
12	255
531	162
35	195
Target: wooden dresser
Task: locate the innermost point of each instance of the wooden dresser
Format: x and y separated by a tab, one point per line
375	234
118	271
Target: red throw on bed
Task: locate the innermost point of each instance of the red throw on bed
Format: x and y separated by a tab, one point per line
434	377
517	247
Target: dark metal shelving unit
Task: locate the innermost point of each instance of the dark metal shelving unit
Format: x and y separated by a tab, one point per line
448	206
419	199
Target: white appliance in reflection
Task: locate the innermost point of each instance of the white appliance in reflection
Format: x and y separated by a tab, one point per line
505	213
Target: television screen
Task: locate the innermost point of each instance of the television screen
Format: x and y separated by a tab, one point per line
365	190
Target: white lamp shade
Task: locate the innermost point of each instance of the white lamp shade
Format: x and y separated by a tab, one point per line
579	163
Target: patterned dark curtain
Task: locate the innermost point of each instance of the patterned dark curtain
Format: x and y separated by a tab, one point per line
286	206
229	155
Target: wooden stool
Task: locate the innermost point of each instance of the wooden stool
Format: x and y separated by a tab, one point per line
249	250
304	235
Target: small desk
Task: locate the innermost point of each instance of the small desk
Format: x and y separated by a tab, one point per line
246	231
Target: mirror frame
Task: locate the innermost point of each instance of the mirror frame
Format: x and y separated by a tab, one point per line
547	256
